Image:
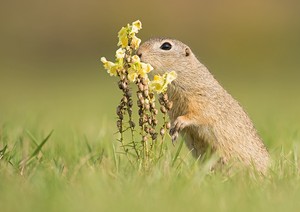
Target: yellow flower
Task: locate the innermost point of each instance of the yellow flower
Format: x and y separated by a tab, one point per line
157	84
171	76
109	66
146	67
135	59
135	42
136	26
132	75
136	67
120	53
160	83
123	37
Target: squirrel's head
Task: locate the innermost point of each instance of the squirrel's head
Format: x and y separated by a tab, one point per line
165	55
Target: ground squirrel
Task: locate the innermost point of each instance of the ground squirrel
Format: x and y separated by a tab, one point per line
203	111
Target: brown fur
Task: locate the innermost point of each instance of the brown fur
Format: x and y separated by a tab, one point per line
202	110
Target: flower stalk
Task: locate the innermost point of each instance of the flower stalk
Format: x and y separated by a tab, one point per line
130	70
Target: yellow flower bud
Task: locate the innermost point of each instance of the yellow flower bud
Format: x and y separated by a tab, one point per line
109	66
120	53
123	37
135	42
136	26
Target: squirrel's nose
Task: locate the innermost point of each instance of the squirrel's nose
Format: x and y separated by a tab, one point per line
139	53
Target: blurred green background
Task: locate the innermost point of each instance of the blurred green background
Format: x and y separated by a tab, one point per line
50	70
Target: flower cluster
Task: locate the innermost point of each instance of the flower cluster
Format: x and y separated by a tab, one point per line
125	59
128	43
130	69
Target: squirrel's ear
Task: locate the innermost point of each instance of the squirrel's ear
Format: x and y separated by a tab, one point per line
187	51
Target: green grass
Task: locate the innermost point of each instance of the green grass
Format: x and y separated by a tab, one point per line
44	172
58	152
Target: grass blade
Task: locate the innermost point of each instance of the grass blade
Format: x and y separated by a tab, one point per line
177	152
38	149
33	139
87	144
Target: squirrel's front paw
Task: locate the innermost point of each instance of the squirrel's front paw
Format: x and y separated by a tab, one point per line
180	123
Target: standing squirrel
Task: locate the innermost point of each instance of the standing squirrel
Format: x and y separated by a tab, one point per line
203	111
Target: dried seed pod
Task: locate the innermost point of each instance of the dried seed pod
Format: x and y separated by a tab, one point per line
141	111
130	103
141	122
119	125
151	95
149	121
120	84
145	138
152	131
129	110
132	124
155	122
140	95
122	104
141	87
155	111
152	105
161	101
168	125
146	92
124	99
165	97
146	87
147	106
123	71
154	136
162	131
163	109
146	129
120	116
145	118
169	105
119	109
122	77
144	81
128	93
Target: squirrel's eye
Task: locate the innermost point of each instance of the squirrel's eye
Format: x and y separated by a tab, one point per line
166	46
